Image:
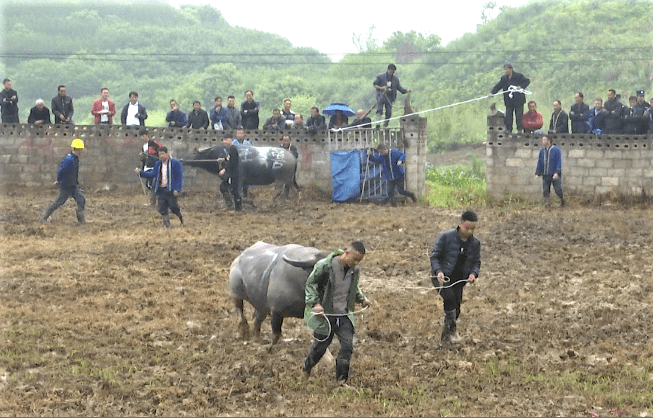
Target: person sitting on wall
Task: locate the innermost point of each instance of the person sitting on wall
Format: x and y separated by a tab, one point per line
39	114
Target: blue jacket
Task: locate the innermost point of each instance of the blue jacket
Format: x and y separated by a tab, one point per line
554	164
445	255
175	175
389	168
596	121
68	171
382	80
178	117
222	116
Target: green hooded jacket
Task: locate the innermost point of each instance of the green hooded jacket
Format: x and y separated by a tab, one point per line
319	289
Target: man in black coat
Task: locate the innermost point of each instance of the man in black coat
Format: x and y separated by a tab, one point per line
39	114
229	164
9	103
198	118
62	107
614	115
559	123
514	101
249	111
579	114
456	256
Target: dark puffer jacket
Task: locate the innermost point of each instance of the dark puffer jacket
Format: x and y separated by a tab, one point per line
445	255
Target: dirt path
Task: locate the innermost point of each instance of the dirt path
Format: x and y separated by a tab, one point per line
122	317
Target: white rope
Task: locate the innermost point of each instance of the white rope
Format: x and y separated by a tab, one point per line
438	288
329	322
510	91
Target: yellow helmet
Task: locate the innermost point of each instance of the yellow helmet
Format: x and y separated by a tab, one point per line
77	143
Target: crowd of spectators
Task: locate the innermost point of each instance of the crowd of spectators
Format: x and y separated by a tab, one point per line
609	117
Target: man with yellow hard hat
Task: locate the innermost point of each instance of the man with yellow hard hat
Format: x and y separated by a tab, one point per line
68	184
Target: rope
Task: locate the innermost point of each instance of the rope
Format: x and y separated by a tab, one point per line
510	91
439	288
329	322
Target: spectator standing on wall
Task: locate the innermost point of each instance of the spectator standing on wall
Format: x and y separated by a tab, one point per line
234	119
596	120
39	114
613	114
219	116
62	107
276	122
386	85
514	101
456	255
533	120
9	103
559	123
315	122
133	113
249	111
287	113
641	102
176	118
579	114
198	118
549	166
103	108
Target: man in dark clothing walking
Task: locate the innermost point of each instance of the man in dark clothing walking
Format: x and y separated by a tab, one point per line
456	255
62	107
514	101
229	163
549	166
67	180
9	103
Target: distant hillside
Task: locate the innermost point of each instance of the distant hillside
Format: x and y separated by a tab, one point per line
192	53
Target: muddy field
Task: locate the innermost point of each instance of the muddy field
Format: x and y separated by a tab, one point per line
122	317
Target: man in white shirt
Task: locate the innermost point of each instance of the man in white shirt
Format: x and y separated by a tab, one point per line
133	113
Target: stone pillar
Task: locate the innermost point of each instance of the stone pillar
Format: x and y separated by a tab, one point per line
415	142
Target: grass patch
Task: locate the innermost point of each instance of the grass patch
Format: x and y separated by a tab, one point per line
457	186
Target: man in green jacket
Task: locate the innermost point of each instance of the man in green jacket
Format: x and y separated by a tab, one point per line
331	294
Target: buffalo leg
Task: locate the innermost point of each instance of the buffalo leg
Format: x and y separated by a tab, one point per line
279	188
258	320
277	322
243	327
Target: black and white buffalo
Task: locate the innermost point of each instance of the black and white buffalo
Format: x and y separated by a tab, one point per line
272	279
258	166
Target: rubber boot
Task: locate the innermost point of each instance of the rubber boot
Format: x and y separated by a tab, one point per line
385	123
449	331
562	201
393	203
166	220
547	202
181	218
152	199
238	205
81	217
342	372
226	196
412	196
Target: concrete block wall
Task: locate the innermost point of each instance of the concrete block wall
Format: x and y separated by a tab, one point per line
30	155
591	164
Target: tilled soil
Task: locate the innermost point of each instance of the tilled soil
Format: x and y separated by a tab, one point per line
123	317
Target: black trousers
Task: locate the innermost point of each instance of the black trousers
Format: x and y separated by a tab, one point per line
519	116
547	181
167	200
344	329
453	296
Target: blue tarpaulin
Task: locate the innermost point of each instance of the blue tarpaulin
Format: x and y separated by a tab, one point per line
352	173
346	175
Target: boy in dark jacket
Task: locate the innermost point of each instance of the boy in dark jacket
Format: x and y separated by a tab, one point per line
168	175
456	255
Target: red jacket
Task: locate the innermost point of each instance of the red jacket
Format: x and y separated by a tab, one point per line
532	121
97	108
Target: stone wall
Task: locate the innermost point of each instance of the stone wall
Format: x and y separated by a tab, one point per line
30	155
591	164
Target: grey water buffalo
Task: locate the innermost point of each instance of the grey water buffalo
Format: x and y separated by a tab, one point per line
272	279
257	166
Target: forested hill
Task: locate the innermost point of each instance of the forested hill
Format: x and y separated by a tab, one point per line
192	53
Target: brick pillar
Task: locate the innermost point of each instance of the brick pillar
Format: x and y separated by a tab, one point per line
415	141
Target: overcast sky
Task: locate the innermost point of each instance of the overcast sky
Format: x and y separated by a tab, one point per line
328	26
